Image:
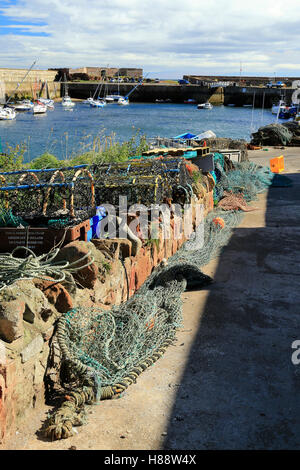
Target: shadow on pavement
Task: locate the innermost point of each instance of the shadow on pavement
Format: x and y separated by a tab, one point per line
239	389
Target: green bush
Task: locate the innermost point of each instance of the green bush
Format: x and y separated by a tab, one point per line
86	158
47	160
12	158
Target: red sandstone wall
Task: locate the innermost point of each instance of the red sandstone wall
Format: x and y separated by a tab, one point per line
22	372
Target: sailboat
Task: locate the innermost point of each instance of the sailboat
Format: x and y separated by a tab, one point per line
24	105
124	100
39	108
66	101
97	102
7	114
46	101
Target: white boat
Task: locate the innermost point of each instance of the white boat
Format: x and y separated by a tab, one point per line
97	103
39	108
205	106
109	99
7	114
113	98
67	102
25	105
123	101
88	100
47	102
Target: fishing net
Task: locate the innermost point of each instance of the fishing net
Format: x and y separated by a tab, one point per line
8	219
246	178
272	134
103	352
113	342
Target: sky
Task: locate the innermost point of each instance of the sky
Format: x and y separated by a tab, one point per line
167	38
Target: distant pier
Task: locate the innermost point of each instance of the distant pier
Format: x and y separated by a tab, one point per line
150	93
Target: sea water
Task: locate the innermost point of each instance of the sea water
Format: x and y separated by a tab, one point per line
66	133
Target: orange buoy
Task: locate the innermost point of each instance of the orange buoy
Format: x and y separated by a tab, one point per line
219	222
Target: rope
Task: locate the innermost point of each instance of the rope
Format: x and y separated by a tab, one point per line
43	267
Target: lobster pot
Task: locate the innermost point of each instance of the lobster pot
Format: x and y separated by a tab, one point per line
137	189
178	179
22	201
36	194
132	168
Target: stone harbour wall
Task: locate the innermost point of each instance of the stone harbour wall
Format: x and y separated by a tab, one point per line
30	309
10	79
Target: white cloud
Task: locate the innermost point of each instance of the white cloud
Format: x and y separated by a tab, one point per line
194	36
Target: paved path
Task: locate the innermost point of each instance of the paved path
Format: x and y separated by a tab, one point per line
229	382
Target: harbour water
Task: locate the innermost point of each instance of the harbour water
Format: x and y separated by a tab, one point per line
67	133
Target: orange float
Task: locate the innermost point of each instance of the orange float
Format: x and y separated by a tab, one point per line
219	222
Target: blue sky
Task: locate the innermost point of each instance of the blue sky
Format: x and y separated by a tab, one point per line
9	25
167	38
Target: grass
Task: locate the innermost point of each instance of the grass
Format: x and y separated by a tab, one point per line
92	150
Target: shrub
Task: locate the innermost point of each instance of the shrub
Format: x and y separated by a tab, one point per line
12	159
47	160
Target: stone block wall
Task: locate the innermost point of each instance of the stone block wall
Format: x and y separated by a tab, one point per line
11	78
29	310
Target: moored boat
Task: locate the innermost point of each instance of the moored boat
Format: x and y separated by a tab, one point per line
67	102
25	105
190	101
206	105
97	103
123	101
277	108
7	114
39	108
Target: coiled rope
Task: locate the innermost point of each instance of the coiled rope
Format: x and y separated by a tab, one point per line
43	267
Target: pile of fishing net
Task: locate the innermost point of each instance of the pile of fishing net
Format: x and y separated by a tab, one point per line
294	128
8	219
236	187
103	352
272	134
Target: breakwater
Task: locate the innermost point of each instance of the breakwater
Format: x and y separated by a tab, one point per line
11	83
149	93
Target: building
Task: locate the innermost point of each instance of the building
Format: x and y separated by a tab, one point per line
101	72
131	72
